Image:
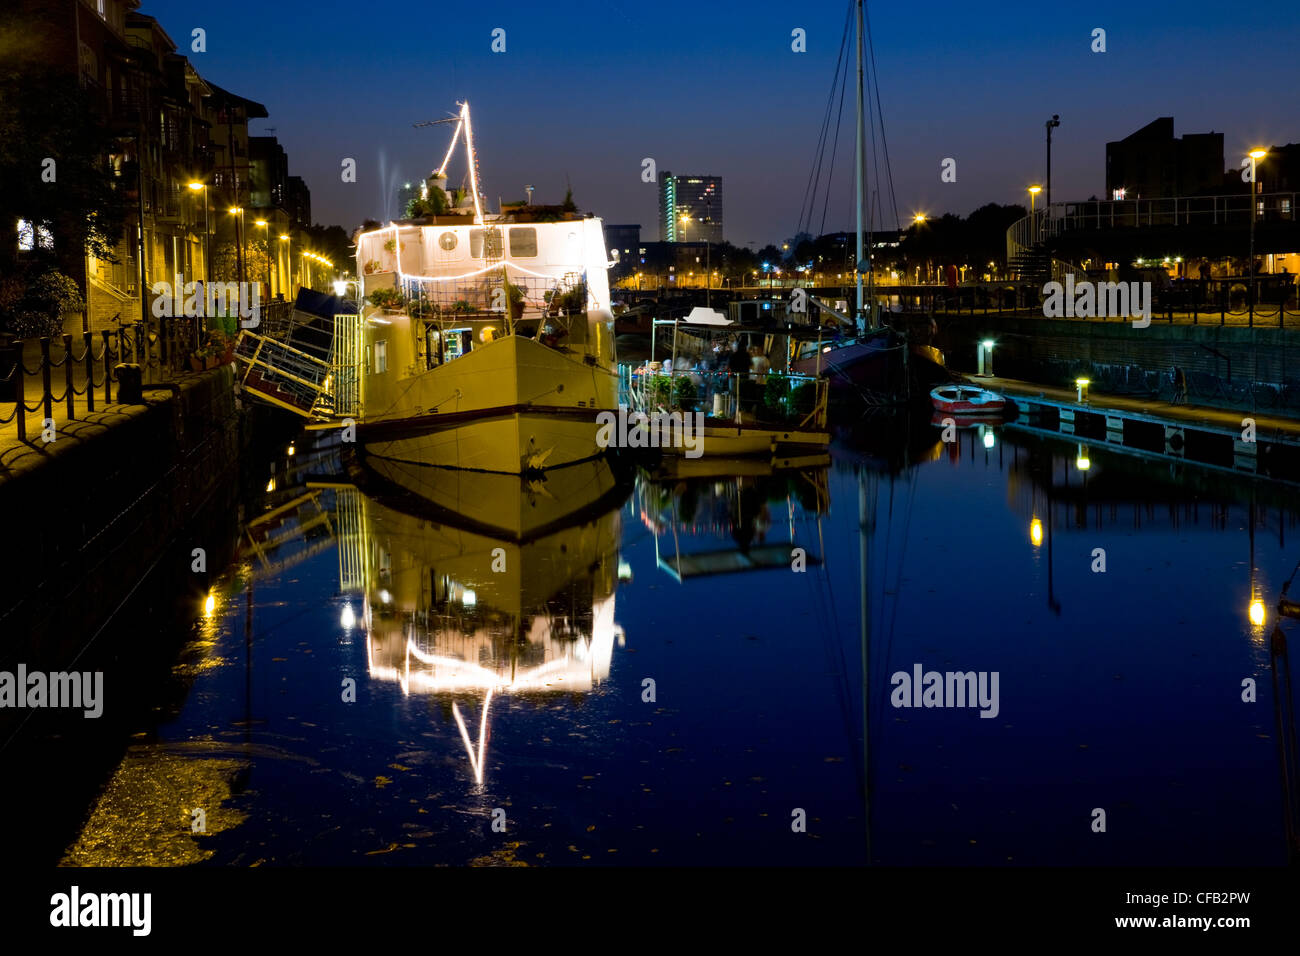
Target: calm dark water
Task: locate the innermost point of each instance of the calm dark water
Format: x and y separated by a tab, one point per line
501	640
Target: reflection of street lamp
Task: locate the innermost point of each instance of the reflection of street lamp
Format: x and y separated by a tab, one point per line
1036	531
1255	154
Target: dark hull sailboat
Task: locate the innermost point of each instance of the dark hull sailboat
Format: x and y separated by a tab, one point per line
881	368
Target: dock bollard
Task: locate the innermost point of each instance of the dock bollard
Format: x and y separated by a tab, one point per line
1082	385
129	382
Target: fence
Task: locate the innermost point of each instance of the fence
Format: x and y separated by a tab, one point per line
159	353
1223	300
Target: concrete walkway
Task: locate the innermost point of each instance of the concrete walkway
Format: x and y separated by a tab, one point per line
17	456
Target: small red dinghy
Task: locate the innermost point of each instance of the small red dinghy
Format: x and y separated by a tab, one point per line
967	400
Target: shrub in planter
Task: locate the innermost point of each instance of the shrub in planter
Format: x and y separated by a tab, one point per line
390	300
803	398
41	308
776	391
685	393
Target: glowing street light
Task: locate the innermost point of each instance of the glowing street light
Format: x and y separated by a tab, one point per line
1033	220
288	260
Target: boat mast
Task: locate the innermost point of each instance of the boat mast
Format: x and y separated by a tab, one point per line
857	172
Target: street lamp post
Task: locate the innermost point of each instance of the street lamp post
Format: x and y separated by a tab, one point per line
1052	123
288	260
267	233
1255	154
1033	220
207	259
307	264
239	239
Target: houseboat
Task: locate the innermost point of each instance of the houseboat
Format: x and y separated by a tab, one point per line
483	342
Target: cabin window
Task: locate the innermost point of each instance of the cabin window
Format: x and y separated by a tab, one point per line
481	249
381	356
448	241
523	242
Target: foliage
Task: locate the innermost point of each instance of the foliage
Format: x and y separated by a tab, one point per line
776	390
573	300
569	205
436	204
803	398
659	391
387	299
39	311
685	392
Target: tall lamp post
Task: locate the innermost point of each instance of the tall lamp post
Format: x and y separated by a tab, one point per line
1255	155
207	251
207	257
239	238
306	257
288	260
1052	123
266	232
1033	220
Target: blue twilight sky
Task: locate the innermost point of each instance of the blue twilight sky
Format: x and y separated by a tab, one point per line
588	88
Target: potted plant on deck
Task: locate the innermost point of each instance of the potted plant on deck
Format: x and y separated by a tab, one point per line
388	300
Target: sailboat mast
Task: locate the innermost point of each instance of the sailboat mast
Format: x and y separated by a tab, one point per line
857	170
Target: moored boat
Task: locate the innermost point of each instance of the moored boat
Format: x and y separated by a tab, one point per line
483	342
968	401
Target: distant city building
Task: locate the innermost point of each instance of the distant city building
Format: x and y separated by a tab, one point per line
699	199
624	245
1154	164
297	201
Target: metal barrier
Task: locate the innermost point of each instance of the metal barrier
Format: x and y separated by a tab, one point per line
158	352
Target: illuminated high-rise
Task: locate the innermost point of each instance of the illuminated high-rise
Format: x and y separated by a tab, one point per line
697	200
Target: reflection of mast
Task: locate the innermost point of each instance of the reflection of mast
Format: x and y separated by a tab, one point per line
1284	716
475	761
864	610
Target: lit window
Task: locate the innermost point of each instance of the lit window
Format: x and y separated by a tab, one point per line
523	242
381	356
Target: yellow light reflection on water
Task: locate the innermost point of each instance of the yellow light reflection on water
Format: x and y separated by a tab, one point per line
1036	532
1257	612
209	605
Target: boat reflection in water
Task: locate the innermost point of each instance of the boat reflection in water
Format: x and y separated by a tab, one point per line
687	517
477	584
